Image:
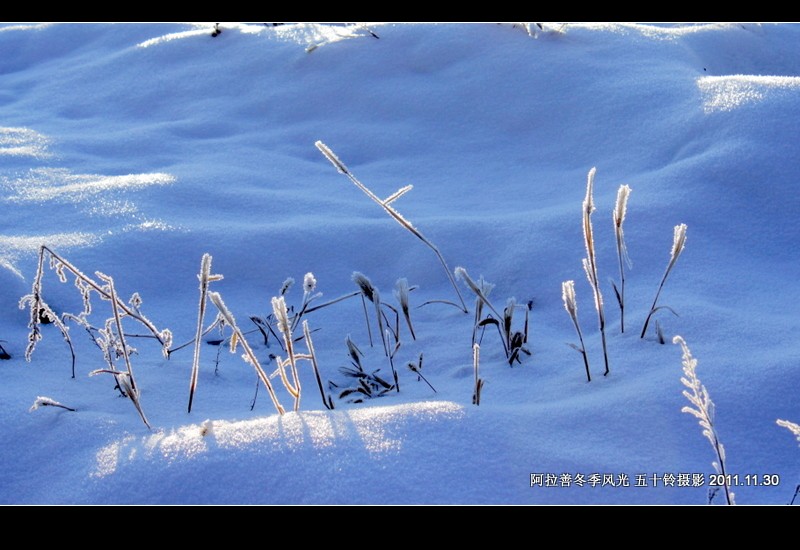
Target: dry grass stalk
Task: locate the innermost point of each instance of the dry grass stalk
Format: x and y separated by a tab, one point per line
620	210
476	359
371	293
47	402
389	209
571	305
678	244
703	409
590	262
401	293
791	426
327	400
205	277
41	312
416	368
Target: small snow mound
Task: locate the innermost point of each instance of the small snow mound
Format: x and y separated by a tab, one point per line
726	93
44	184
377	430
204	29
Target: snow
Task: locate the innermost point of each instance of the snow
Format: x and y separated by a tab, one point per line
134	149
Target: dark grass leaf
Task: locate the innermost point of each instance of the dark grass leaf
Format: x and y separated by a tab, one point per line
616	292
675	313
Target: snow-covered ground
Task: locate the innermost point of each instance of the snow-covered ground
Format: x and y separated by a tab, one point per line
135	149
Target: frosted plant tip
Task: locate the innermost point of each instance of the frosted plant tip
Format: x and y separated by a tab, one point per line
287	284
309	282
678	241
47	402
325	150
365	285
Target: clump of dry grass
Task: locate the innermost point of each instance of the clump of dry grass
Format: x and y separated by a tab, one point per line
249	356
390	332
514	342
41	312
111	339
678	244
296	314
366	384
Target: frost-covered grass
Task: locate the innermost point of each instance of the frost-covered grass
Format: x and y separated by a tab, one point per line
133	150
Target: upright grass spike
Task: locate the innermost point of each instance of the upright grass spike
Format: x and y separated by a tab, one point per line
703	409
205	277
571	305
287	284
392	352
376	301
678	244
309	285
620	209
476	359
326	399
590	261
401	293
485	289
389	209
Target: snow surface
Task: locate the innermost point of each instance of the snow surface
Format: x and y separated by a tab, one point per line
134	149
